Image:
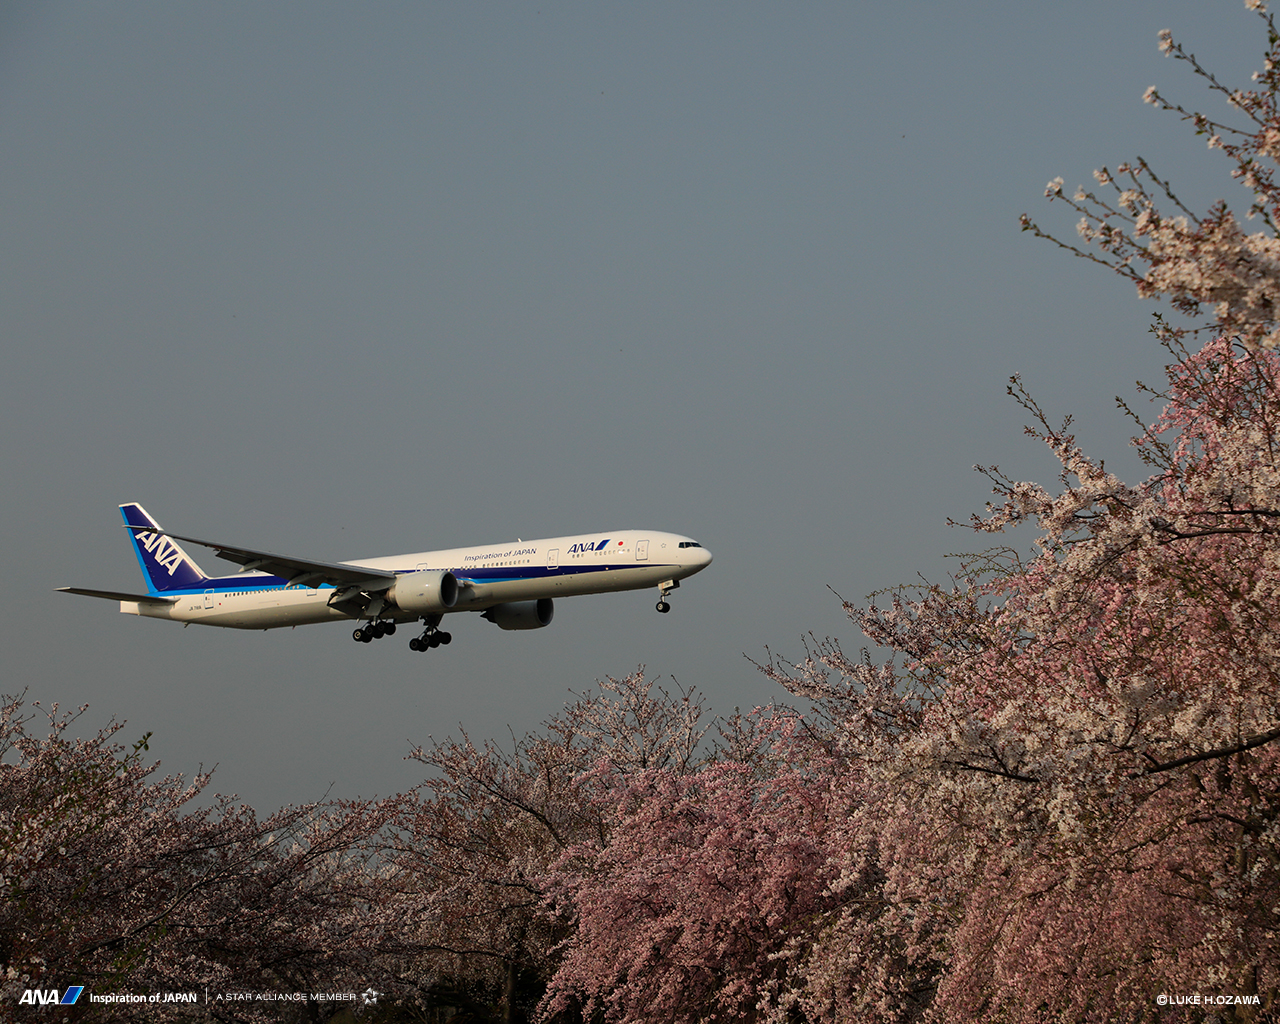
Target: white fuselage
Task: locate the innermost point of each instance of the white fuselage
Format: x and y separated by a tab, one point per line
487	576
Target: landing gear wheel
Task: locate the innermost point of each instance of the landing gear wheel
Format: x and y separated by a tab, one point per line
389	629
358	635
366	636
445	638
379	630
663	607
416	645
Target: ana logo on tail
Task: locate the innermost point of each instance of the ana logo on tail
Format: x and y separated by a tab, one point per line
162	549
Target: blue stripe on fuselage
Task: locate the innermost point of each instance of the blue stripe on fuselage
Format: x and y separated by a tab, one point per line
537	572
236	585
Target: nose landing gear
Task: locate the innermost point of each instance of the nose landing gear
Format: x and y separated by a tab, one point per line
665	589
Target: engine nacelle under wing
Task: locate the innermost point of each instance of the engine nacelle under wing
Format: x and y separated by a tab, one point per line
521	614
430	592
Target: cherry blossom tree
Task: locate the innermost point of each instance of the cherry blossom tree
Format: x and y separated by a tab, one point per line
476	848
1094	760
1080	808
113	879
1089	799
689	902
616	864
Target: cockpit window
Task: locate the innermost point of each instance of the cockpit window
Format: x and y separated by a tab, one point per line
690	544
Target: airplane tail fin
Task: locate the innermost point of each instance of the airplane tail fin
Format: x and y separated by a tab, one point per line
164	564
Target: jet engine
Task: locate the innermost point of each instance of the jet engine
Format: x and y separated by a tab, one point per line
426	593
521	614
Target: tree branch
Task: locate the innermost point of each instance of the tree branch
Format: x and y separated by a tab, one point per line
1208	755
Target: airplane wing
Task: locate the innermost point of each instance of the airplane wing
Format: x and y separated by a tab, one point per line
117	595
296	570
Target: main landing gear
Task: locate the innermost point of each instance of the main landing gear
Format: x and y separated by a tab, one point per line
665	589
432	637
374	631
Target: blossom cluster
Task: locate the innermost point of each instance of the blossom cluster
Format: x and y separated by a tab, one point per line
1137	225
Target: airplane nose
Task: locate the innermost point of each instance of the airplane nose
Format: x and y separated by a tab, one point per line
704	557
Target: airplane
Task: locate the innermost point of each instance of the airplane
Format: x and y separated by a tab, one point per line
511	585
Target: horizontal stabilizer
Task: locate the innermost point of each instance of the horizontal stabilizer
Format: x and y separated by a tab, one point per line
118	595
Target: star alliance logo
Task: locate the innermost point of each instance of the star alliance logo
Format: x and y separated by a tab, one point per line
370	996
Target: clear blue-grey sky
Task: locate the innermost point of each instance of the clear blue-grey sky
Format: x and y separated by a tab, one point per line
349	280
